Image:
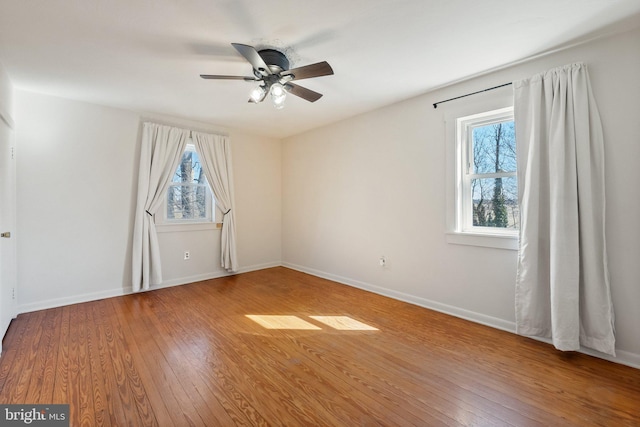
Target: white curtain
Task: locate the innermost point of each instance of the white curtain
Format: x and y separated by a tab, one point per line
562	285
215	157
162	148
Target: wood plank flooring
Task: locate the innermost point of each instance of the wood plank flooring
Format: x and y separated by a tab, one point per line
191	356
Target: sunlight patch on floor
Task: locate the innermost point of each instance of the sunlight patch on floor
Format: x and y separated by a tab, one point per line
282	322
343	323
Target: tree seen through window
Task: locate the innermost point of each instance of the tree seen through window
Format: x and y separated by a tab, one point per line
494	188
189	197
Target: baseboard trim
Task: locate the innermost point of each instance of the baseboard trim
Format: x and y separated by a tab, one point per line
190	279
411	299
622	357
117	292
257	267
75	299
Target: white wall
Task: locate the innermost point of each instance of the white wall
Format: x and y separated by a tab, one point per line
375	185
77	177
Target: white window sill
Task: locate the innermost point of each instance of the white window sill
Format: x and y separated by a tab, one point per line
484	240
179	228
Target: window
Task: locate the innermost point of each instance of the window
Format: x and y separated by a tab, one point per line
487	190
189	198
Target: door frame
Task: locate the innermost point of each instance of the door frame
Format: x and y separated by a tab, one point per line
10	225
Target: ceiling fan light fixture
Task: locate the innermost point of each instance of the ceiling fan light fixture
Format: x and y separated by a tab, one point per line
257	94
278	95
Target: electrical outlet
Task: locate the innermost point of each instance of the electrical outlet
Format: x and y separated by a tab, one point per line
187	255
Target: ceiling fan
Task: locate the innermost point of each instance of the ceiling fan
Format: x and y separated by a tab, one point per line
271	69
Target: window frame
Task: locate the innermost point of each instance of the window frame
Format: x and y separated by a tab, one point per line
465	176
481	103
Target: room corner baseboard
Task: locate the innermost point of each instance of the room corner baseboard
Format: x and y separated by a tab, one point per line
257	267
622	357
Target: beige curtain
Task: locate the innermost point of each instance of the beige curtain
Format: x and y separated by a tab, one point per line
215	157
162	148
562	286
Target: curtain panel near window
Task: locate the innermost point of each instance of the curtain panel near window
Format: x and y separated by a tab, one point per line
161	151
562	284
215	156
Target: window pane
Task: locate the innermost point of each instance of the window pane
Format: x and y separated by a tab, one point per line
188	202
495	202
494	148
189	170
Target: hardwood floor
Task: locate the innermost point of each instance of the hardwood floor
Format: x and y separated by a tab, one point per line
190	355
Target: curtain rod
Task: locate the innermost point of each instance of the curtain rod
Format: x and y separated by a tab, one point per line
469	94
160	121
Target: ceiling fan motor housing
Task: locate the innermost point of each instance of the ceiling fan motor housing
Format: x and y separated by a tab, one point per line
276	61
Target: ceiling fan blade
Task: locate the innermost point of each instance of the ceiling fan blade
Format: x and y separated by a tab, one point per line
254	58
217	77
303	92
314	70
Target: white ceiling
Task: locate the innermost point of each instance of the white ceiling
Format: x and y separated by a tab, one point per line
146	55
